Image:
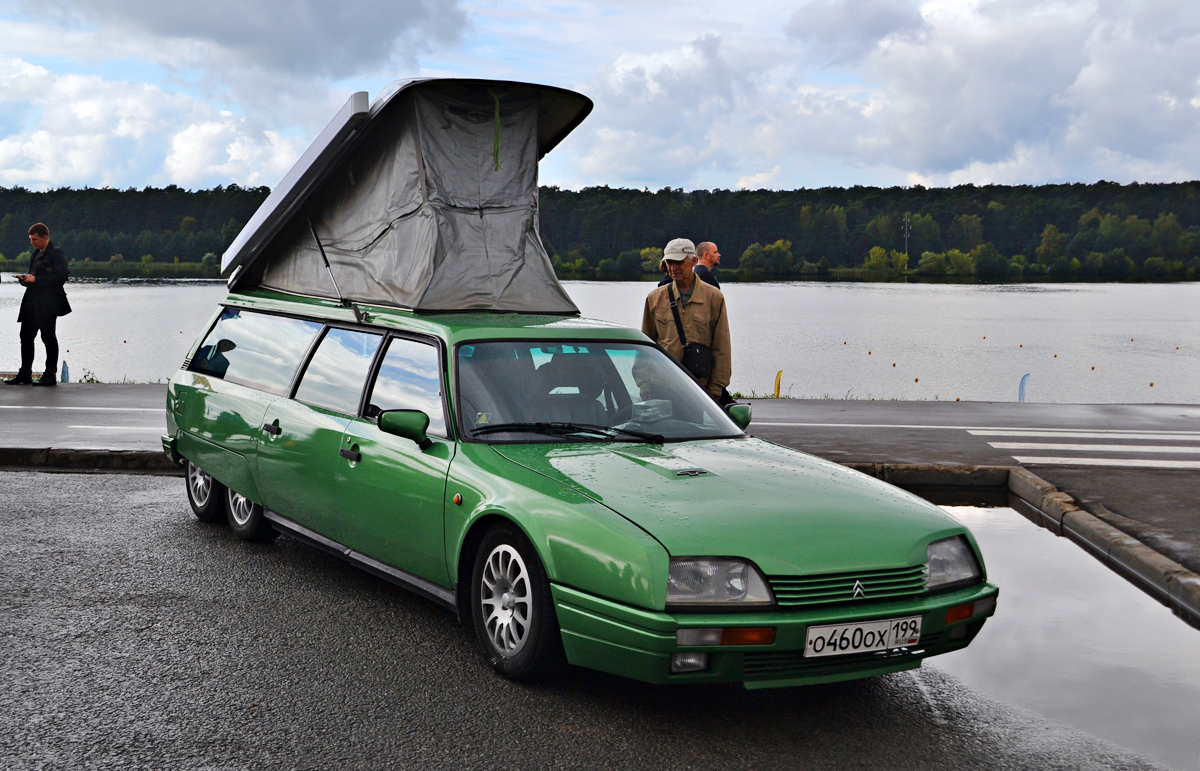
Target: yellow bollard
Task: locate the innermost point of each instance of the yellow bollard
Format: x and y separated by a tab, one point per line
778	375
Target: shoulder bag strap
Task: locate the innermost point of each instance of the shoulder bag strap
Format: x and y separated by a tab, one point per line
675	313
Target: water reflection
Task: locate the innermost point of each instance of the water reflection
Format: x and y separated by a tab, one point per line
1078	644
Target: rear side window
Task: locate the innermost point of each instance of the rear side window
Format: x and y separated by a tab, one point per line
338	371
255	349
410	378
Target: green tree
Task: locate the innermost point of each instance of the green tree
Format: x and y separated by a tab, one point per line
965	232
651	257
959	263
187	225
751	261
1165	236
990	265
629	264
1053	245
607	269
877	260
777	257
932	264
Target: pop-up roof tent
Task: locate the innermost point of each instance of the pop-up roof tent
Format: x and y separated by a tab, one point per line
427	200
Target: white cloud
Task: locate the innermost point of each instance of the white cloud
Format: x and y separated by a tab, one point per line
84	130
759	181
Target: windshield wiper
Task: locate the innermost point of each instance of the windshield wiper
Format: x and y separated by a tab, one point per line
558	429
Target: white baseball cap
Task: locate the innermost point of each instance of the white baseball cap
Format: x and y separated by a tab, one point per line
678	249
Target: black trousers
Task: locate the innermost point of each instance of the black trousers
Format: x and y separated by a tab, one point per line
29	330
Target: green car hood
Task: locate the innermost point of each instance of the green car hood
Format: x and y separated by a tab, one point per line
790	513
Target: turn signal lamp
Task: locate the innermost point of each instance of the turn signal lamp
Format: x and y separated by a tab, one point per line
970	610
734	635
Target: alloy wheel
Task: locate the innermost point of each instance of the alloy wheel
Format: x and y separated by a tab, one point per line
200	485
506	600
241	508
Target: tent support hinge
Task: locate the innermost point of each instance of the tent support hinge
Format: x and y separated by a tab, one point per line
359	315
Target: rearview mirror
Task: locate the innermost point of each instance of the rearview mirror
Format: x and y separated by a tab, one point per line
741	414
409	424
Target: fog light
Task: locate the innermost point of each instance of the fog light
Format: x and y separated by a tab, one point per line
957	633
689	662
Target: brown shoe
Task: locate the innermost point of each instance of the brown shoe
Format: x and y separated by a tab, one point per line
46	380
19	379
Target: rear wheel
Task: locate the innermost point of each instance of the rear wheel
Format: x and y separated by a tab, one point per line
247	519
512	609
205	494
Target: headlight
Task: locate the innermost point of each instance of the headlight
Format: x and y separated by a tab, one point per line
951	564
713	580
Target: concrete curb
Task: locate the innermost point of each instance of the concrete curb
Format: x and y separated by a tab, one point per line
55	459
1159	576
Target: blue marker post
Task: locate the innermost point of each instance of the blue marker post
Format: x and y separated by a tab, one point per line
1021	390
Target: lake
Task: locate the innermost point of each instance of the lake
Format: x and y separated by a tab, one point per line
1080	343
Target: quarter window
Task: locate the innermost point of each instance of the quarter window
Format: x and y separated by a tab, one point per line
410	378
335	376
255	349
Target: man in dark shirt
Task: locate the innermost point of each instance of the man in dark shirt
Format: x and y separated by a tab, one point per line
44	301
707	258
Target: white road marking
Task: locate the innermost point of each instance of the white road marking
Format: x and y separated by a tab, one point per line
123	428
84	409
1071	433
1095	447
1115	462
1182	436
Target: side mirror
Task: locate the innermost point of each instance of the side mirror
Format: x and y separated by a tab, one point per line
741	414
409	424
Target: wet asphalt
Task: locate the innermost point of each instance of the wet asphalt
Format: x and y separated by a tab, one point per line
134	636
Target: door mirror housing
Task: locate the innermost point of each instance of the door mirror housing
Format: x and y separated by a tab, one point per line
409	424
741	414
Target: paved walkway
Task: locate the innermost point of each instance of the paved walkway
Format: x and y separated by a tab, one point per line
1140	462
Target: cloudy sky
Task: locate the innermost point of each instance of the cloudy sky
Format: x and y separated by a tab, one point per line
698	94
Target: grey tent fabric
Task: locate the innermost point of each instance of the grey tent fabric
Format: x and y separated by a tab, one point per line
434	208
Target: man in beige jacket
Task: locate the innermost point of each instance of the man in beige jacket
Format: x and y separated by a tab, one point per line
701	312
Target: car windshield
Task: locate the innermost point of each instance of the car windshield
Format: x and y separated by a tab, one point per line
586	391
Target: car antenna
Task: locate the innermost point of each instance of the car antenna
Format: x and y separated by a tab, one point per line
359	315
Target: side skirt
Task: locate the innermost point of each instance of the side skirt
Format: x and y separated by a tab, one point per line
401	578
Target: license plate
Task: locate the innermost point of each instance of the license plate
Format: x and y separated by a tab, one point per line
842	639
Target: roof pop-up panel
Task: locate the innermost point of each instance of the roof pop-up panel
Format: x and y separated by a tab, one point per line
428	203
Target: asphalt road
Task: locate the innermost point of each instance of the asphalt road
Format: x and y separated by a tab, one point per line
1110	449
135	636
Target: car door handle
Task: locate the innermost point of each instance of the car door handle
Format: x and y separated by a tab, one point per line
350	455
272	429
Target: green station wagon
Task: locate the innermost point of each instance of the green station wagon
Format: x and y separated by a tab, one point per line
396	377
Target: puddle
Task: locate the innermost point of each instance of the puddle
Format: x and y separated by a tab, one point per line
1075	642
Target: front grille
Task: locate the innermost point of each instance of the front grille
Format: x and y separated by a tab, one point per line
785	664
832	588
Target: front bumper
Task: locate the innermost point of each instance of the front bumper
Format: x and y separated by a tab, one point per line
636	643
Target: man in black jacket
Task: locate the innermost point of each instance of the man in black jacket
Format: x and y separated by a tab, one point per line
44	301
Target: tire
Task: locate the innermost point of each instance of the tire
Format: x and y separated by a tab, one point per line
205	494
246	518
512	610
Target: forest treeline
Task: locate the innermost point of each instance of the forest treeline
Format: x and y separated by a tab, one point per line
1099	232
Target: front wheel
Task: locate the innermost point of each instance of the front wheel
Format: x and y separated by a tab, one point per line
205	495
512	609
247	519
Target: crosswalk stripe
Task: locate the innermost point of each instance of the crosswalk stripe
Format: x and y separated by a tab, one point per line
1056	434
1095	447
1114	462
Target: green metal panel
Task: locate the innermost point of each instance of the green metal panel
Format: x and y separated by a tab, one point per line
223	420
391	500
296	468
580	543
791	513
